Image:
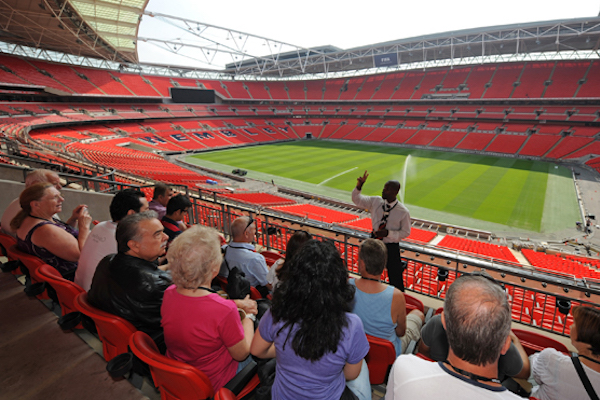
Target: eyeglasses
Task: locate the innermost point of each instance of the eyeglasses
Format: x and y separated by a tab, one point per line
250	222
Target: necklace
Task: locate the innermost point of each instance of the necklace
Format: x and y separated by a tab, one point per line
207	289
473	376
370	279
43	219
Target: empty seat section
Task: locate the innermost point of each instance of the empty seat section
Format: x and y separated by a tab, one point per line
314	90
508	144
401	135
257	90
568	145
68	77
351	88
504	78
448	139
359	133
475	141
317	213
592	82
369	87
430	84
538	145
585	131
104	81
264	199
379	134
28	72
531	82
161	83
138	85
388	86
476	247
342	131
479	77
237	90
278	92
333	89
565	79
409	85
423	137
454	79
592	148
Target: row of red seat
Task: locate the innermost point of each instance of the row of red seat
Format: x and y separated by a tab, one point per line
522	80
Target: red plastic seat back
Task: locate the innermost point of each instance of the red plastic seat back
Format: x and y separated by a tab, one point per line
114	331
380	358
65	290
6	241
533	342
176	380
271	256
31	262
413	303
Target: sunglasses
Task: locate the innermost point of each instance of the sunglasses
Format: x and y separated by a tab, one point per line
250	222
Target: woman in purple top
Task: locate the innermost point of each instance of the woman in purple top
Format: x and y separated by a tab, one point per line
317	342
46	237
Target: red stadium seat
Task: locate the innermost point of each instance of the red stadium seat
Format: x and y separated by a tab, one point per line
65	290
533	342
114	331
177	380
380	358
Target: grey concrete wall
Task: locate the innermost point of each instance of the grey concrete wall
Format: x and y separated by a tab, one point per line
97	203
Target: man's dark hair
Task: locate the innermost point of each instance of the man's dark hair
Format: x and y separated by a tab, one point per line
125	200
176	203
374	254
160	189
477	319
127	229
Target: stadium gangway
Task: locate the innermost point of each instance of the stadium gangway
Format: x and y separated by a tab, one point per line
539	300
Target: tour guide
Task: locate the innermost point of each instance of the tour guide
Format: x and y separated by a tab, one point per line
390	221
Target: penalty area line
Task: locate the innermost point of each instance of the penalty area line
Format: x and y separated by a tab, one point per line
335	176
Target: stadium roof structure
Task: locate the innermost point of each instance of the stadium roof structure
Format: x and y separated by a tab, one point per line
574	38
105	29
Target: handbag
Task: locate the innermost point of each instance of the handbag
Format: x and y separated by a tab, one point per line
238	287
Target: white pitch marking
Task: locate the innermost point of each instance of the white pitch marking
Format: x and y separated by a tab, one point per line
335	176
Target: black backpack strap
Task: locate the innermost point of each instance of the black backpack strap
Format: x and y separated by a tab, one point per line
225	258
584	379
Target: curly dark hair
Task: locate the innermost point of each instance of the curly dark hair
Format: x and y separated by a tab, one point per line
295	243
315	295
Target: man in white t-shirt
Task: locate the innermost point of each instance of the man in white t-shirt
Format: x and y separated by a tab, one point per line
477	320
101	241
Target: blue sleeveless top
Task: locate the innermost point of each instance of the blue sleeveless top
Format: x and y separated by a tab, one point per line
66	268
375	311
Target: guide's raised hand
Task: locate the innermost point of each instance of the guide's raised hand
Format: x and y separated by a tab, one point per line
361	180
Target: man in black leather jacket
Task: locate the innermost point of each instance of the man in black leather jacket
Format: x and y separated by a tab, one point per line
130	284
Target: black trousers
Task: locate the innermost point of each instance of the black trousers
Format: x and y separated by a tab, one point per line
395	266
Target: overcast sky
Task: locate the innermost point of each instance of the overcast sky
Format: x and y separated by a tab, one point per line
348	24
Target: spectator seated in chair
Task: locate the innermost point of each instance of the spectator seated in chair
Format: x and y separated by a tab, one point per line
241	253
477	320
555	372
160	199
177	208
39	233
101	241
381	307
201	328
293	245
309	329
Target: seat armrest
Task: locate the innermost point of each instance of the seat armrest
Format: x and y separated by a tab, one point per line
239	382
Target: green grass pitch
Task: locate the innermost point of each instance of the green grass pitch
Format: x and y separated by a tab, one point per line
511	192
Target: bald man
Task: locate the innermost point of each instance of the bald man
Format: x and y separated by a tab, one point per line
390	221
240	253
